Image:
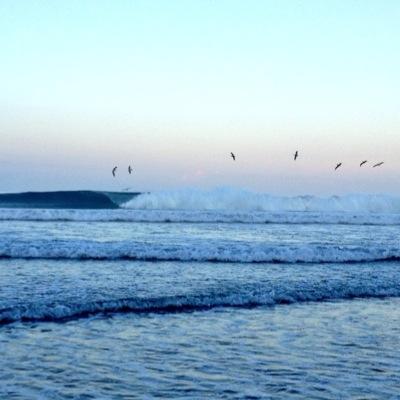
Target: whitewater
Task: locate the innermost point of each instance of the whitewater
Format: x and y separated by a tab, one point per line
221	205
251	290
228	199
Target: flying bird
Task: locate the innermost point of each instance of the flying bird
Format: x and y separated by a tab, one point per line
130	170
363	162
296	155
338	165
114	170
233	156
377	165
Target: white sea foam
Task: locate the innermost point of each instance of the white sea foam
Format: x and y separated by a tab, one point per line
230	206
199	216
242	200
197	251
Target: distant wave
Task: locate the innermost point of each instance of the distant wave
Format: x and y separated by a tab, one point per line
242	200
218	205
243	298
81	199
197	251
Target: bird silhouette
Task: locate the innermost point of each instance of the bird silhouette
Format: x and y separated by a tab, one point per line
338	165
130	170
114	170
363	162
377	165
296	155
233	156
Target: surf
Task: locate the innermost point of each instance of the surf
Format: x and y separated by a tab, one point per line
251	296
231	199
80	199
219	251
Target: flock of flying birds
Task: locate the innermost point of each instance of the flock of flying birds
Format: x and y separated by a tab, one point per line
295	156
338	165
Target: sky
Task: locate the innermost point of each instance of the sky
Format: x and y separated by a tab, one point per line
172	87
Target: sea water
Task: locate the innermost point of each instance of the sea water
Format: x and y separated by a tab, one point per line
202	295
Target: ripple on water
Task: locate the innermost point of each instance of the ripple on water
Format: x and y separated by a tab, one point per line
314	350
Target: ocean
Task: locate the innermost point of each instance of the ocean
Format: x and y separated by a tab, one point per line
189	294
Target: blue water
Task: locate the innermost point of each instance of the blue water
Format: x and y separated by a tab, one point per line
194	304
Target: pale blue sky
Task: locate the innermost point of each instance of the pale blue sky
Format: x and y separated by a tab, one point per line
173	86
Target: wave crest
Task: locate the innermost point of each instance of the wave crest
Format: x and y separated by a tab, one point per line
253	297
197	251
242	200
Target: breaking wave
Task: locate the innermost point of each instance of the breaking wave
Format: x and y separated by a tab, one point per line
195	206
197	251
78	199
199	216
243	298
242	200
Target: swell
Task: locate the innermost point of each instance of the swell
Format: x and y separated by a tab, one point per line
197	251
81	199
226	200
180	304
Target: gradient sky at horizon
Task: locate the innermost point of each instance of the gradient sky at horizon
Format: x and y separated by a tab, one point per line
172	87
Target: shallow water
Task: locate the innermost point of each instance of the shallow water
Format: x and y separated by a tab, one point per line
328	350
92	306
40	290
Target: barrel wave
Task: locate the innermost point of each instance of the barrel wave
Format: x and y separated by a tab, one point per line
195	206
82	199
